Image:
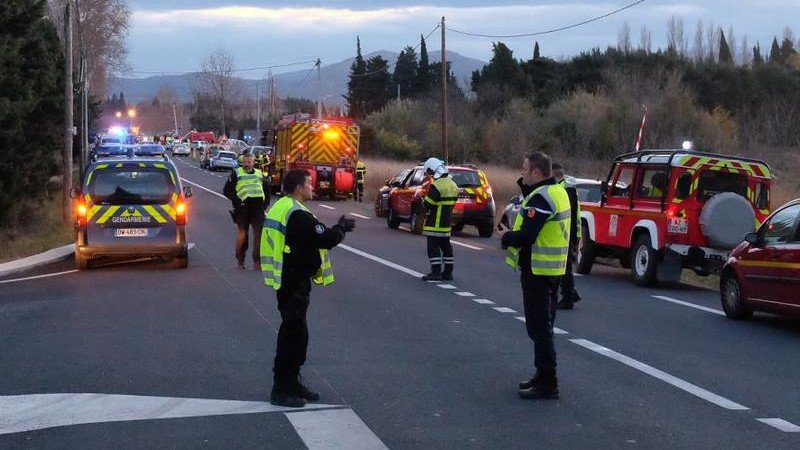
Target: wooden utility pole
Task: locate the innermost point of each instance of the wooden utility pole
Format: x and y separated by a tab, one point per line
68	125
444	95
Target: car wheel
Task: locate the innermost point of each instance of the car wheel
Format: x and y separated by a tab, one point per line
417	219
586	252
731	296
458	227
82	262
486	229
379	212
644	261
181	262
391	220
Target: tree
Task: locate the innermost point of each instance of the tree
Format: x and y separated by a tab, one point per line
725	56
624	38
775	52
31	107
377	84
699	52
424	77
405	72
216	78
356	97
787	50
758	60
536	54
646	39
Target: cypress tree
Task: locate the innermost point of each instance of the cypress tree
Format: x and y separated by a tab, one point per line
725	56
775	52
424	78
356	96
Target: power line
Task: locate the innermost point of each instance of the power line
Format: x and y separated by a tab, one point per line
554	30
426	37
248	69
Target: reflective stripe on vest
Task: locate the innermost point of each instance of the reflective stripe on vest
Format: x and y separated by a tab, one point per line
550	250
249	184
273	245
361	173
439	214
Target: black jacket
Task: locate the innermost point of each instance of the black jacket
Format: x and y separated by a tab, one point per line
305	235
229	191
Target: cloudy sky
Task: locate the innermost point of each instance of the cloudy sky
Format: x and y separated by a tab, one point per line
174	35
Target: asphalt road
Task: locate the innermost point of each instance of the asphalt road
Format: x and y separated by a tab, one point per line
140	355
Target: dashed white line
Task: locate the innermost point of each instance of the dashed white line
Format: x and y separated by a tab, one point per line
465	294
327	207
783	425
465	245
520	318
36	277
557	330
446	286
503	309
690	305
663	376
359	216
483	301
205	189
386	263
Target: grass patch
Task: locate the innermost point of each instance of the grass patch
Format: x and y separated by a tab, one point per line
42	230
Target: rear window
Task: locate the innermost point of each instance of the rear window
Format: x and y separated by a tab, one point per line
138	186
713	182
466	179
227	155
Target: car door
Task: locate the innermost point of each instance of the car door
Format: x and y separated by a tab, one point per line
405	193
771	269
618	205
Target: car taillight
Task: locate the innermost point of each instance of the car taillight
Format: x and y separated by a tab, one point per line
80	213
180	213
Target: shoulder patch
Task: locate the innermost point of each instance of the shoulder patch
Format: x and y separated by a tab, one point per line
531	213
319	228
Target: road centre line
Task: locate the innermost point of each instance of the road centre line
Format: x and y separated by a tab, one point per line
379	260
465	294
327	207
465	245
334	428
483	301
503	309
690	305
14	280
359	216
205	189
783	425
446	286
663	376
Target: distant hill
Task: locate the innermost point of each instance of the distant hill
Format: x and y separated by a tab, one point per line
301	83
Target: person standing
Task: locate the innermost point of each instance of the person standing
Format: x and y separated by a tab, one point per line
293	251
248	191
538	245
569	294
439	203
361	178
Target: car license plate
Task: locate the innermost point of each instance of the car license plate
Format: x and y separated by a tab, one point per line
130	232
678	226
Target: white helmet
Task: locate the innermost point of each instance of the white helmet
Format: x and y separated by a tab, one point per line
435	167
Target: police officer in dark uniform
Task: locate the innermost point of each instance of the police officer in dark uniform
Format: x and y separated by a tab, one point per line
569	294
293	252
248	190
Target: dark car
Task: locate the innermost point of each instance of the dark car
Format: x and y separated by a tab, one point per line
763	272
475	204
132	207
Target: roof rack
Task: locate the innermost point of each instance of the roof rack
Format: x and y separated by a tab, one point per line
673	152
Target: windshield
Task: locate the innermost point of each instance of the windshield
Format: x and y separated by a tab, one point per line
466	179
712	182
130	185
111	150
227	155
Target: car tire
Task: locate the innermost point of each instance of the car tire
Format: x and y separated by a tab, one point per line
644	262
82	262
586	252
181	262
417	218
391	220
731	297
486	229
379	212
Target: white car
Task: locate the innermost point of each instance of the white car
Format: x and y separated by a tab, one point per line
588	191
180	150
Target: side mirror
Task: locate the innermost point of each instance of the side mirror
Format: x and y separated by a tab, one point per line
604	186
752	239
187	191
74	193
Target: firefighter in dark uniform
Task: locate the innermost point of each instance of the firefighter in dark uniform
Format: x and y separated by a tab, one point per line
293	252
538	245
361	178
569	294
248	190
439	203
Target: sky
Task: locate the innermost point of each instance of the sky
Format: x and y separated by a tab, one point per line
173	36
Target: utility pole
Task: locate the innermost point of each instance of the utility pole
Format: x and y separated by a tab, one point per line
271	98
68	125
319	90
258	110
175	119
444	95
83	82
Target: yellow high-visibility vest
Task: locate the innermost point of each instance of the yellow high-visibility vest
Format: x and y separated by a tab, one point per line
249	185
273	245
549	251
439	213
361	173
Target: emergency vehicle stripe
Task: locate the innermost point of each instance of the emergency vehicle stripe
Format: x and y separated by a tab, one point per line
92	211
169	210
773	264
118	165
109	212
142	165
152	211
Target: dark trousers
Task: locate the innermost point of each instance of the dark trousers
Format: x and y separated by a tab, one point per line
568	290
359	191
249	214
540	310
290	353
440	253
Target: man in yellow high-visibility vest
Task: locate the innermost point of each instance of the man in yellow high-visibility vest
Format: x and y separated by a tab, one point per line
538	245
294	251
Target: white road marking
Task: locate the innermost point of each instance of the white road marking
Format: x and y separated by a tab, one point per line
465	294
405	229
386	263
205	189
7	268
786	427
473	247
334	429
37	411
663	376
690	305
359	216
446	286
36	277
577	274
483	301
503	309
328	207
557	330
520	318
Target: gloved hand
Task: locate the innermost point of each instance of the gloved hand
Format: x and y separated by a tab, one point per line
346	223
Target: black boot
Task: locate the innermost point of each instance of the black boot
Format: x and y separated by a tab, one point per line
545	387
565	304
434	275
304	392
283	394
576	297
528	383
447	275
